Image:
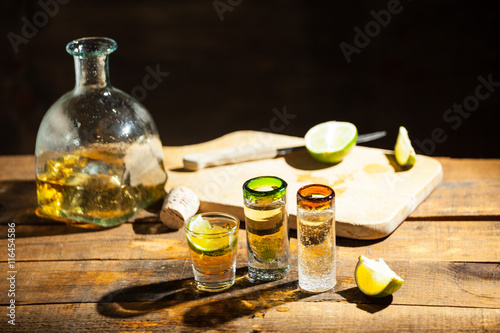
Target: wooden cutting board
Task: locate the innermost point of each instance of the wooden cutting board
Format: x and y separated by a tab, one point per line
373	195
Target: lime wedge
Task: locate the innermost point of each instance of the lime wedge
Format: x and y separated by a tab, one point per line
374	278
208	237
405	154
330	142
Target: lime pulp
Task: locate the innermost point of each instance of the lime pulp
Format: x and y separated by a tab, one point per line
331	141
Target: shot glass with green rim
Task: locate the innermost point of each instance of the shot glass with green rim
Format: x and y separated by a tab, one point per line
266	221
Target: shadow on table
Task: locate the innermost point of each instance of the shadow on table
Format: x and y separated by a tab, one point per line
391	158
253	303
18	204
350	242
207	309
148	222
363	302
18	201
302	160
151	228
139	300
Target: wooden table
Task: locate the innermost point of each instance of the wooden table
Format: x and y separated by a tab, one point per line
137	277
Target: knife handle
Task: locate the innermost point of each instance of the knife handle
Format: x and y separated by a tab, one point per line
228	156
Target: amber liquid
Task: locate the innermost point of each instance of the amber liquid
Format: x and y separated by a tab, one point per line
214	270
91	187
267	241
216	262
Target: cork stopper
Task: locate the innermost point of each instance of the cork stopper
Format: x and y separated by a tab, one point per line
180	204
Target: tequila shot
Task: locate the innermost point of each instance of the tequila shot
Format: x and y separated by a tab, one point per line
266	222
213	242
316	237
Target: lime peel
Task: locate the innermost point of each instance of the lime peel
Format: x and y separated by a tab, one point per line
403	150
331	141
375	278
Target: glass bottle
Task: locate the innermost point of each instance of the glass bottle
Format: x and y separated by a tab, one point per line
99	158
266	223
316	237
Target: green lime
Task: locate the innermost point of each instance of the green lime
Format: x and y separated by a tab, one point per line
331	141
405	154
207	237
374	278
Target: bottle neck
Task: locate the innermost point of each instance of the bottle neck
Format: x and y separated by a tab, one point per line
91	72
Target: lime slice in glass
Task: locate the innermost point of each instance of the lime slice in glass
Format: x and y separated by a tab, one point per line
331	141
207	237
374	278
404	152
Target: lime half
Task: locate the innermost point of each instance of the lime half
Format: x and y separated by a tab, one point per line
330	142
374	278
207	237
405	154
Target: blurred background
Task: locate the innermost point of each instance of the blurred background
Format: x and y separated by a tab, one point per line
230	63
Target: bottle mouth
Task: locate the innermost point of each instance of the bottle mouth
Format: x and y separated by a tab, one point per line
91	46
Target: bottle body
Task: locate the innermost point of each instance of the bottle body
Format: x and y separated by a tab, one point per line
99	158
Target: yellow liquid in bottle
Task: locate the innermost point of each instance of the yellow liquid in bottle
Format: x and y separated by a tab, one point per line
90	186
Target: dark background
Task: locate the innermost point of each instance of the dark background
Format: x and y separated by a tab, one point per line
229	74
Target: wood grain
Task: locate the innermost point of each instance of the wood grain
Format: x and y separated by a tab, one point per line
138	276
472	194
14	168
22	167
463	198
415	240
473	285
245	316
470	170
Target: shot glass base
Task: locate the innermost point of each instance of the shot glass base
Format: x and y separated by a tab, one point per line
310	289
255	274
316	287
214	286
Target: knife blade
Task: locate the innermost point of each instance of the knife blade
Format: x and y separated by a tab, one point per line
361	138
199	161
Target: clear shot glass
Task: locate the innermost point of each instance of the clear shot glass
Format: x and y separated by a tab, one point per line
266	222
316	237
213	243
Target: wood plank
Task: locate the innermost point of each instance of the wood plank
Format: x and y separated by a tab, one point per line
171	281
241	315
469	170
451	199
432	241
464	199
413	240
470	187
129	241
475	193
20	167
